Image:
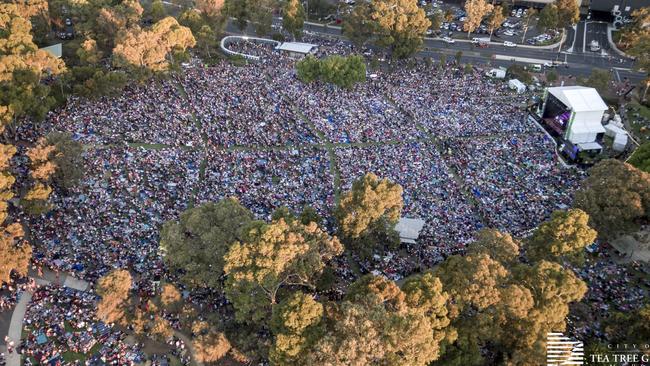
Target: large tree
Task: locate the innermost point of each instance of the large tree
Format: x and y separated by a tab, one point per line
68	159
399	25
476	11
379	324
564	236
641	157
568	12
549	17
293	18
616	196
7	180
197	243
16	254
114	289
22	69
271	257
152	49
371	207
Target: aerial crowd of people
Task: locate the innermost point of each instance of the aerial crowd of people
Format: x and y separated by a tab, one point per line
458	143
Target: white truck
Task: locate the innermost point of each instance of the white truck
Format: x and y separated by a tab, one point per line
496	73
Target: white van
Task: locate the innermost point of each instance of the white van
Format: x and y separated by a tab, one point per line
536	68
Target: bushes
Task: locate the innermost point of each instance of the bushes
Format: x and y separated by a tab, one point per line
338	70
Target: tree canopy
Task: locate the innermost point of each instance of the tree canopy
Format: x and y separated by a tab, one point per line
270	257
616	196
114	289
344	71
398	25
197	243
565	235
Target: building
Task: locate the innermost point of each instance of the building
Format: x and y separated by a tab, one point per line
297	49
409	229
616	7
573	115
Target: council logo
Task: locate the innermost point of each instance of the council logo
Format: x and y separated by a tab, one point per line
562	350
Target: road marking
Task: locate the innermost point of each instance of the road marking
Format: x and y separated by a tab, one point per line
520	59
618	77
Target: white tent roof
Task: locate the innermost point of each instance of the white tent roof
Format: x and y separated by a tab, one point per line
590	146
56	50
409	229
579	98
298	47
583	127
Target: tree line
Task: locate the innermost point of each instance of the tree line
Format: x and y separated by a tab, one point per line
492	305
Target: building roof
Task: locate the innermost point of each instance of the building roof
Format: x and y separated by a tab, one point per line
585	146
56	50
409	229
579	98
298	47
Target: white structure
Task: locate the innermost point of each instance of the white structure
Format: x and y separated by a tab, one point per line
297	49
586	109
56	50
409	229
517	85
496	73
226	41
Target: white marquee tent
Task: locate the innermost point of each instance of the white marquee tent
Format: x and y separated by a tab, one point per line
587	109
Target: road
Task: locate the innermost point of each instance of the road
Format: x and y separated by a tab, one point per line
580	63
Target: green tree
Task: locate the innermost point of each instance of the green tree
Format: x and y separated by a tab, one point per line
114	289
616	196
356	25
641	158
495	19
308	69
67	158
206	39
564	236
549	17
271	257
295	325
241	11
158	11
197	243
293	18
599	79
22	68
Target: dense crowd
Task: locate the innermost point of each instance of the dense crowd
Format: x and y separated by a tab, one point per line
112	219
459	144
614	286
155	113
61	325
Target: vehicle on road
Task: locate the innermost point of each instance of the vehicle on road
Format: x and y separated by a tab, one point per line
536	68
509	44
594	46
448	40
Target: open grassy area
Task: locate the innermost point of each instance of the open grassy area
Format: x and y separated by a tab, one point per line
639	119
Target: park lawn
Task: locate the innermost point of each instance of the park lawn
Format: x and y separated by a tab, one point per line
644	112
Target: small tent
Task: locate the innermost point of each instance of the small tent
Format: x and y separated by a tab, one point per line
517	85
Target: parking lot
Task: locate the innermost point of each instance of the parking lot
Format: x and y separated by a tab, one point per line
516	29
